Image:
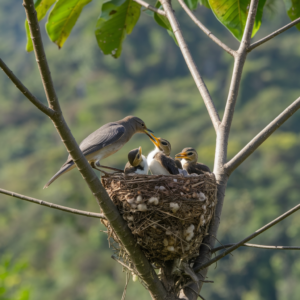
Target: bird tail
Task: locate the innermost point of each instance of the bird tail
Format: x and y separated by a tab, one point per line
65	168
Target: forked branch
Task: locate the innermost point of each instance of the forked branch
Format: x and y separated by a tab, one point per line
191	64
45	109
142	265
205	30
273	34
262	136
250	237
52	205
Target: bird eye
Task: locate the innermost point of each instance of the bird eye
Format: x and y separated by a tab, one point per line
164	143
190	153
143	125
138	156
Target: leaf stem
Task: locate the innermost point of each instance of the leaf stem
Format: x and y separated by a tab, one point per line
150	7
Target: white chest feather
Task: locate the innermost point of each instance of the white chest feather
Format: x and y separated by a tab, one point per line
157	169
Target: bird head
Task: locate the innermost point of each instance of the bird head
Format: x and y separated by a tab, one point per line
139	125
162	144
189	154
135	156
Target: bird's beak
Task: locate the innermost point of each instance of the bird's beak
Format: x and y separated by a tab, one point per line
140	151
150	134
154	140
181	155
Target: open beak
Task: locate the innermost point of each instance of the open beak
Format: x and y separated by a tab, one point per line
140	151
181	155
151	135
154	140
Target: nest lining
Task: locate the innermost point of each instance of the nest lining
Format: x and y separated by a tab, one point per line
168	215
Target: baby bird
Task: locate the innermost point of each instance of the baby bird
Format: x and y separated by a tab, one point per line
159	161
189	162
137	163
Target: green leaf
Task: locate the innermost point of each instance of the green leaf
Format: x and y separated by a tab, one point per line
204	3
41	7
191	4
233	15
293	10
62	19
164	22
117	19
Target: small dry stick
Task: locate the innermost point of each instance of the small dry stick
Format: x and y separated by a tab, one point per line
250	237
52	205
257	246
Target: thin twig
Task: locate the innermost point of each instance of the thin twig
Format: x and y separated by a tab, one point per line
121	263
150	7
191	64
52	205
262	136
205	30
250	237
273	34
195	292
46	110
257	246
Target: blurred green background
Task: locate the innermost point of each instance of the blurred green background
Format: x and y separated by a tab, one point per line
47	254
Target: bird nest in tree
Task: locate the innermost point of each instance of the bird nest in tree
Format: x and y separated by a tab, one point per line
168	215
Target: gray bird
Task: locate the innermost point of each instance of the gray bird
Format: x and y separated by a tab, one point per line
105	141
189	162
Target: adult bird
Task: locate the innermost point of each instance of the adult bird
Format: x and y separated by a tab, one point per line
189	157
137	162
105	141
159	161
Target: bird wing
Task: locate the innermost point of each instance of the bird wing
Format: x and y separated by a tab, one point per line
202	168
102	137
167	162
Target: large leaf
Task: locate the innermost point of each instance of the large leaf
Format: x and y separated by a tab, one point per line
191	4
62	19
41	7
233	15
164	22
293	10
117	19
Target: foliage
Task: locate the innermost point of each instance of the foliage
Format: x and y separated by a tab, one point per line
11	286
119	17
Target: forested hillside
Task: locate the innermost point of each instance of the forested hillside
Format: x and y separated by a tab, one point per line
56	255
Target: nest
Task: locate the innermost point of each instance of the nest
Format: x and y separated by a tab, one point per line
168	215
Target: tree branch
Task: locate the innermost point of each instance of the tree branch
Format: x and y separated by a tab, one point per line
239	62
52	205
273	34
191	65
46	110
150	7
250	237
256	246
262	136
205	30
142	265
